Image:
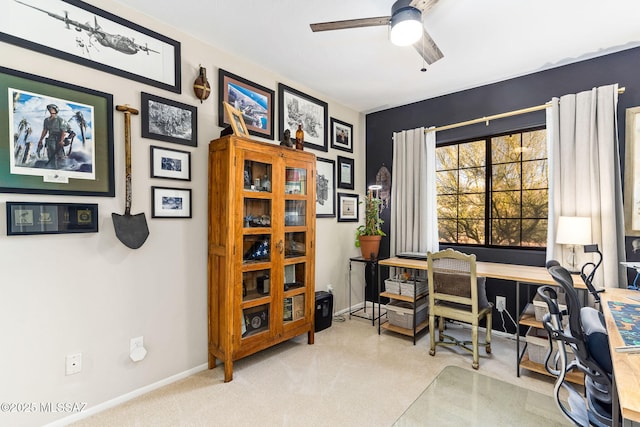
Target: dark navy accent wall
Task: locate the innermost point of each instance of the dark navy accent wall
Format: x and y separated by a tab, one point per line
514	94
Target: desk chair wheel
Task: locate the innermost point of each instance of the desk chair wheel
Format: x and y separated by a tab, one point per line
487	348
475	365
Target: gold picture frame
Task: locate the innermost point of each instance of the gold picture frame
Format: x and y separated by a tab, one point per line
237	121
632	172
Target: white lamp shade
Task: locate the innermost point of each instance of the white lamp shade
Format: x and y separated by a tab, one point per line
574	230
406	27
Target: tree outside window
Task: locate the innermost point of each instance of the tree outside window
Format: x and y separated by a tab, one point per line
493	191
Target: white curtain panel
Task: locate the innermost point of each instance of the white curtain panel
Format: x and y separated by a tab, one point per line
584	176
414	219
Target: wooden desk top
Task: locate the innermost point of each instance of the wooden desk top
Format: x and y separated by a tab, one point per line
626	366
495	270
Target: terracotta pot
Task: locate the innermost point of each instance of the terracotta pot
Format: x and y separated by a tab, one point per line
370	245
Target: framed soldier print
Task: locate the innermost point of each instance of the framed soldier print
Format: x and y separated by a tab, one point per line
56	137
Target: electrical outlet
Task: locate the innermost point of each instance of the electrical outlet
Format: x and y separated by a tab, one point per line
73	363
330	288
501	303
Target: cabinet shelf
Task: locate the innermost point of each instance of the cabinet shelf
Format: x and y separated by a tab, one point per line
404	331
406	298
575	376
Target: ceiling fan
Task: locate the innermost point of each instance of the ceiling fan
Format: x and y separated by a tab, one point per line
405	15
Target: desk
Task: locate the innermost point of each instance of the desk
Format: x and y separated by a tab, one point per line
626	367
520	274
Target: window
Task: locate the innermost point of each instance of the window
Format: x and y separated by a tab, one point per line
493	191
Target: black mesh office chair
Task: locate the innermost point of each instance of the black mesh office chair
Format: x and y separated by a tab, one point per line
587	338
588	272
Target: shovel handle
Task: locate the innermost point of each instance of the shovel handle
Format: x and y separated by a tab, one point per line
126	109
127	154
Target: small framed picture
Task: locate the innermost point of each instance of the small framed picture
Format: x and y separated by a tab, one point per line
24	218
170	164
167	120
345	173
237	121
170	202
325	188
347	207
341	135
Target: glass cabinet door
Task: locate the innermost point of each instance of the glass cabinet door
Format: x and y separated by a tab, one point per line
257	246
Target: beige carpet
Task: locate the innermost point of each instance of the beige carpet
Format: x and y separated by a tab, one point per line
351	376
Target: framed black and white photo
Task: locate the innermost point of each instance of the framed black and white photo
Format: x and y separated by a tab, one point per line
347	207
255	102
26	218
296	108
167	120
79	32
170	164
170	202
32	160
325	188
345	173
341	135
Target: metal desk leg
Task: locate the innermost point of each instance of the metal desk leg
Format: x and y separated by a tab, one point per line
378	297
518	358
349	289
373	300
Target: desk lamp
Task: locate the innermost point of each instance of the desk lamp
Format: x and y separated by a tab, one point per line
573	231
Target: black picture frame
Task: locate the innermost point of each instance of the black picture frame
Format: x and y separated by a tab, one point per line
24	169
28	218
169	202
78	32
325	188
168	120
348	207
295	107
169	164
253	100
341	135
346	175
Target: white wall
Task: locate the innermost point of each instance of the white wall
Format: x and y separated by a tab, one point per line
89	293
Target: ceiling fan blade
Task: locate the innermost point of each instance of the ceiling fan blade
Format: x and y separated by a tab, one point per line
423	5
350	23
428	49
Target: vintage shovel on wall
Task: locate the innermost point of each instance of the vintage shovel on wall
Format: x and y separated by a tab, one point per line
130	229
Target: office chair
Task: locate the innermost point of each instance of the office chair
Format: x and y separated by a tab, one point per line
588	272
587	337
455	292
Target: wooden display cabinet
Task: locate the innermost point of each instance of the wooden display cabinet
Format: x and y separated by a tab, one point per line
261	247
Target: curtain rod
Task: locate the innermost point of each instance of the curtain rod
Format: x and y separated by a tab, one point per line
498	116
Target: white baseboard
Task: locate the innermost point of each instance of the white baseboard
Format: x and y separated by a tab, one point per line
126	397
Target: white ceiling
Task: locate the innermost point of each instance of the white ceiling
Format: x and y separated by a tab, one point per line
483	41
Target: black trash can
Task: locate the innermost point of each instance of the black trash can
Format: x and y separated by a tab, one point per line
324	310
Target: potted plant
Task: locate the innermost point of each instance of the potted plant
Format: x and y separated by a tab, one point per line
368	236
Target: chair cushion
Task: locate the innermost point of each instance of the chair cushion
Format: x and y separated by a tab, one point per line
597	337
458	284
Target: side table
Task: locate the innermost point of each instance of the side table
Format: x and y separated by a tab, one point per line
371	264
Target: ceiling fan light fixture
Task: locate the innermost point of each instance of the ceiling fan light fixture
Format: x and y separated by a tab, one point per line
406	23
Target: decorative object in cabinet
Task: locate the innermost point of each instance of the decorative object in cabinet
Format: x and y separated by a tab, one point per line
261	247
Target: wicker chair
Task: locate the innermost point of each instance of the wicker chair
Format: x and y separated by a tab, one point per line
456	293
